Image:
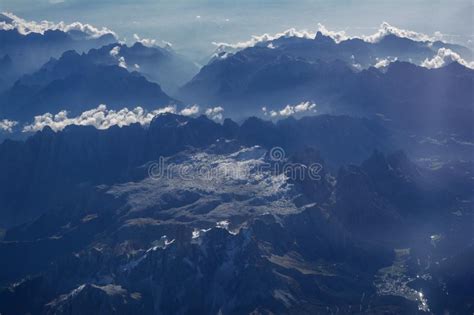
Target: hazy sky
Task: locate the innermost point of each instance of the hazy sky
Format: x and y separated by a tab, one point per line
194	24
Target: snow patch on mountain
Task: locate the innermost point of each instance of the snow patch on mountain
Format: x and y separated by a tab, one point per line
211	186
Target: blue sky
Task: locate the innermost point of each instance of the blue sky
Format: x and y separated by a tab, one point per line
193	25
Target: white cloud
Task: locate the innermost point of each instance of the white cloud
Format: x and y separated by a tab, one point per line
148	42
384	30
256	39
338	36
144	41
387	29
444	57
114	52
382	63
290	110
215	113
303	107
100	118
190	111
122	63
103	118
7	125
25	27
287	111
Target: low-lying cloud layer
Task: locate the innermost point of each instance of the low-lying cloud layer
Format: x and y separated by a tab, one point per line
103	118
9	21
290	110
100	118
444	57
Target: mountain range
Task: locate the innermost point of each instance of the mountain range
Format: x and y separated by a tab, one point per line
292	174
160	65
76	83
403	93
255	240
28	51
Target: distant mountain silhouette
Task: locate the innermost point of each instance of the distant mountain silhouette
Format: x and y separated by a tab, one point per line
356	52
29	52
404	93
76	83
161	65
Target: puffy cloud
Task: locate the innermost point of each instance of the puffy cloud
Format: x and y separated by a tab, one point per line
382	63
100	118
338	36
387	29
103	118
190	111
114	52
304	107
384	30
287	111
215	113
7	125
122	63
148	42
144	41
290	110
256	39
444	57
25	27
